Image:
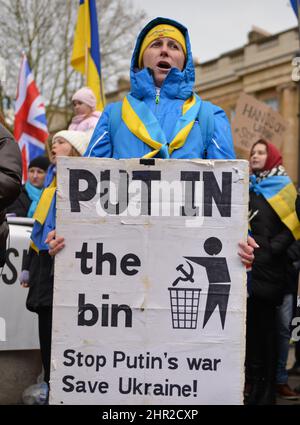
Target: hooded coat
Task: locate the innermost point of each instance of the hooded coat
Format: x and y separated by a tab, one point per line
269	269
10	181
175	90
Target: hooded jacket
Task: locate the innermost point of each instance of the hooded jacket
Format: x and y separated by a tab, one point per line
274	227
166	105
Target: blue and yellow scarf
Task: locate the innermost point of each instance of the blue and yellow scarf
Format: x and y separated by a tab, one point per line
34	194
45	213
144	125
279	191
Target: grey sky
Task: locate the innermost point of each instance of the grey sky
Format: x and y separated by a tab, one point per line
217	26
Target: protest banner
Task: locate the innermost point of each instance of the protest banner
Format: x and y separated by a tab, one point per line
149	293
18	326
255	120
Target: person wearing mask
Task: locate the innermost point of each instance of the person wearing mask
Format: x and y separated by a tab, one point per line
274	226
10	182
26	203
162	117
37	269
86	116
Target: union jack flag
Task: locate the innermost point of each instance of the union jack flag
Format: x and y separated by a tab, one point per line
30	129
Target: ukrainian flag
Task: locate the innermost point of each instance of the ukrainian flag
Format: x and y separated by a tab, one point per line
86	50
281	194
295	5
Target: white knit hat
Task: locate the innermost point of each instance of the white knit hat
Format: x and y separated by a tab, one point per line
78	139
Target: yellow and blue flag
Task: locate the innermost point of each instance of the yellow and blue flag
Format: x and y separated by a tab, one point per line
295	6
86	49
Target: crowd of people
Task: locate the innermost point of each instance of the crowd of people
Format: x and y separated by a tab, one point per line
162	117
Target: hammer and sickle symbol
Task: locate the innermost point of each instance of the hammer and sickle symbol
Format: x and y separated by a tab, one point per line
187	276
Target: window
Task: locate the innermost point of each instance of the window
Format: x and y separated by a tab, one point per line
272	102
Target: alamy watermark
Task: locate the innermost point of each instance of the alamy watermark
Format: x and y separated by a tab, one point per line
158	199
296	69
146	194
296	330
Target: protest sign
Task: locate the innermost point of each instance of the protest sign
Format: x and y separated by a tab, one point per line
149	294
18	326
255	120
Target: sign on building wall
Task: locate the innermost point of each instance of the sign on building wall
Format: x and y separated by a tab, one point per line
255	120
149	294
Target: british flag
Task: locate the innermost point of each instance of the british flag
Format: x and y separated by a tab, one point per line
30	129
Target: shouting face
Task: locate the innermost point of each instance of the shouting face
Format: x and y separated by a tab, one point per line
161	55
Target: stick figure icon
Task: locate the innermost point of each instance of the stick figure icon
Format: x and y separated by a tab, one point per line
217	274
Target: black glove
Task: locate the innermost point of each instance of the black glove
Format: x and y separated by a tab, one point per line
4	230
2	257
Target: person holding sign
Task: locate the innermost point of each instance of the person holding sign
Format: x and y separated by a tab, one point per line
162	117
274	226
37	273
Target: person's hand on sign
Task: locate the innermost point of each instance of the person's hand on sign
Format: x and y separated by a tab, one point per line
56	243
246	251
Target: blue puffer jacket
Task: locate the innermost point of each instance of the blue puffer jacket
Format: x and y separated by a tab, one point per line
177	87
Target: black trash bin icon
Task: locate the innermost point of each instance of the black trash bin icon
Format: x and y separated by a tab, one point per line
184	307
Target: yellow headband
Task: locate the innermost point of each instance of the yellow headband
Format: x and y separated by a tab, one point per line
159	31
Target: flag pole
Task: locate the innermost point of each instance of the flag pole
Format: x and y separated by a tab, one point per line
86	46
86	63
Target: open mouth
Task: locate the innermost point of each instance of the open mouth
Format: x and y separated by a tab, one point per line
164	65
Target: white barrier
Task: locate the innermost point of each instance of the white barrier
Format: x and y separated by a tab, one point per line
18	326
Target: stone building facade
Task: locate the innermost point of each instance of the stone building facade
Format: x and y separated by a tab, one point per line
262	68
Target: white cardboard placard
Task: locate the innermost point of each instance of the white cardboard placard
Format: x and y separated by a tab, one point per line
149	309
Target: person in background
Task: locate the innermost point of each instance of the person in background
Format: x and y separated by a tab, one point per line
26	203
274	227
10	182
37	270
86	116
